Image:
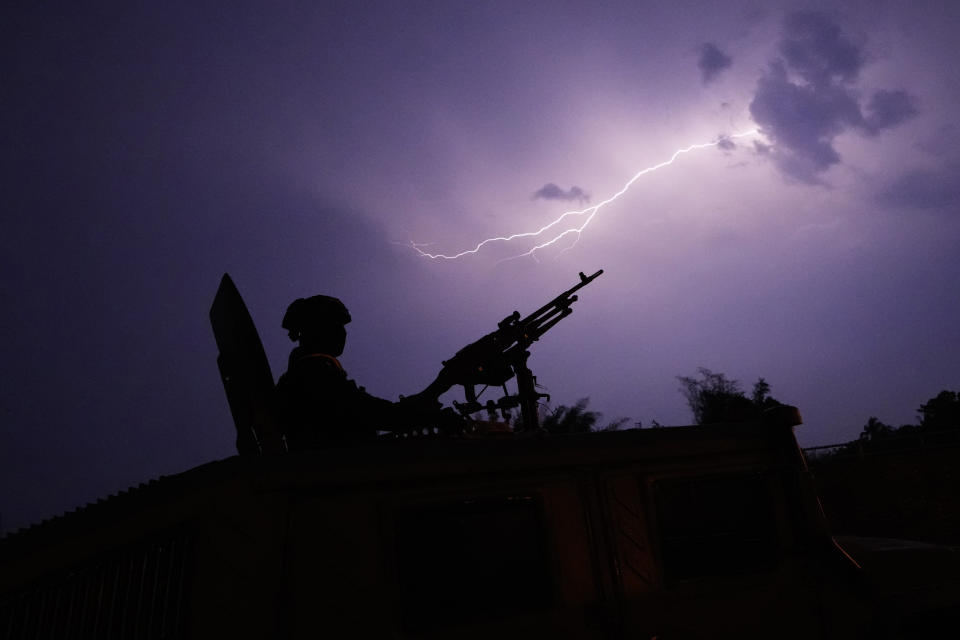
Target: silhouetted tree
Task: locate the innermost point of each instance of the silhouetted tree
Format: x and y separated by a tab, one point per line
941	412
761	395
615	425
875	430
577	419
715	398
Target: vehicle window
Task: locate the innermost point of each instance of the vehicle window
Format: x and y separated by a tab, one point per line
472	560
715	525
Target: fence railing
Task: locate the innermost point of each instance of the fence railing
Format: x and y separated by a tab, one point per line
892	444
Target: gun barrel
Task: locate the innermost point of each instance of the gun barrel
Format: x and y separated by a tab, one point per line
497	356
565	299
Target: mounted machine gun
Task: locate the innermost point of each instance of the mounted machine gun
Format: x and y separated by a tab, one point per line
502	354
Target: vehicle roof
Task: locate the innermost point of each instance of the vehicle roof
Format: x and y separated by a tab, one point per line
413	458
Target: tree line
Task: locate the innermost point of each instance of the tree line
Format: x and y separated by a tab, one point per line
937	417
713	398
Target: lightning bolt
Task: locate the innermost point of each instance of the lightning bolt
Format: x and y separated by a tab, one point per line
584	216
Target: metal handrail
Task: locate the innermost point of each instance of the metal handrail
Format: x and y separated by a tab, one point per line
892	444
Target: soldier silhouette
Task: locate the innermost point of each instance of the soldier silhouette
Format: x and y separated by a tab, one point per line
318	405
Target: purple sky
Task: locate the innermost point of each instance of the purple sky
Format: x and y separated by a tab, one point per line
302	147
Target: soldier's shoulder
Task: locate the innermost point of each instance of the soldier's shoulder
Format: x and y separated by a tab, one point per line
316	364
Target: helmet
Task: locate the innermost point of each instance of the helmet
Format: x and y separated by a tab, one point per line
304	313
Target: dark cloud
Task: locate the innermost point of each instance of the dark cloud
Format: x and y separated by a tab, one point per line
888	109
712	61
807	97
815	48
802	121
551	191
726	144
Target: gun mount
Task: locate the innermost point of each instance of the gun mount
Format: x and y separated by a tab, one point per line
502	354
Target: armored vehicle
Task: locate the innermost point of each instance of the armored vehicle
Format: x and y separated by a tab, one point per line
708	531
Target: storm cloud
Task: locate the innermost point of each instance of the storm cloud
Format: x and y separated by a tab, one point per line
808	97
550	191
888	109
712	61
816	49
